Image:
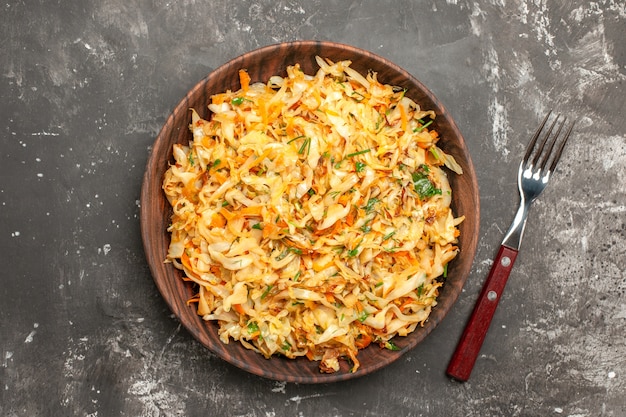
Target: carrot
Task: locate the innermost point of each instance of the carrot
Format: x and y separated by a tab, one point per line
206	142
363	341
244	80
227	214
184	259
334	230
217	220
219	176
238	308
403	118
350	217
218	98
408	301
318	268
216	270
269	230
251	211
190	189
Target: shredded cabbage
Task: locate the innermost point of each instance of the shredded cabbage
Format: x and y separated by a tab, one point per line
313	213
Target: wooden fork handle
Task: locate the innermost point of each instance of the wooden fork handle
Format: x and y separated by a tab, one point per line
464	357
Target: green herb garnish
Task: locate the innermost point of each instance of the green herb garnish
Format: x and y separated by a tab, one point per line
266	292
391	346
363	316
253	327
369	207
350	155
424	126
423	185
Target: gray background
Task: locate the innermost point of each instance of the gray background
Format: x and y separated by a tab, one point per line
84	88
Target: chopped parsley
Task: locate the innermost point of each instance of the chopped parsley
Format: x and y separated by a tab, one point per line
237	101
369	207
253	327
363	316
423	185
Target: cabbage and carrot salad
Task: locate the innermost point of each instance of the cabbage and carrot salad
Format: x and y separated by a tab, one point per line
313	213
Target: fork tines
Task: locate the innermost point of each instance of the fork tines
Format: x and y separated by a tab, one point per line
550	139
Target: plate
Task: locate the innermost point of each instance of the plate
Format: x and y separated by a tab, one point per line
155	210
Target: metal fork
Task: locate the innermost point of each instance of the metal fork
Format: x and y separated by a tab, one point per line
542	154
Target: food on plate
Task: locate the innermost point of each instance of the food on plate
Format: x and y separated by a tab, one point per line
313	213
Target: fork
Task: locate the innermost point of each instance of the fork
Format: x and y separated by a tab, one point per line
542	154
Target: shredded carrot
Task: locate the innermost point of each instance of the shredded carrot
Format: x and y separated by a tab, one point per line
318	268
219	176
227	214
363	341
244	80
351	217
251	211
190	190
403	119
219	98
206	142
184	259
344	199
217	220
238	308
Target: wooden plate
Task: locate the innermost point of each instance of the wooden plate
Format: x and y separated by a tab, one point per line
155	211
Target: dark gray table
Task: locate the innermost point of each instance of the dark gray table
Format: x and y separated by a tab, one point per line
85	86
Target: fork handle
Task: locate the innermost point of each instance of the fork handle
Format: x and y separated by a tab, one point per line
464	357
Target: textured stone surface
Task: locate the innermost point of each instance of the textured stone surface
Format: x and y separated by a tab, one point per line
84	88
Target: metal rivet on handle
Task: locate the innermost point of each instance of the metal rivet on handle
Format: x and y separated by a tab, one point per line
505	261
492	295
